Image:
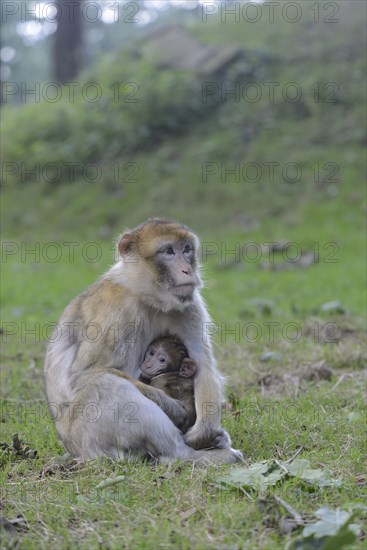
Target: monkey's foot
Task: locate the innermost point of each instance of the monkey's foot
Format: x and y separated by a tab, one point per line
221	439
219	456
237	455
202	437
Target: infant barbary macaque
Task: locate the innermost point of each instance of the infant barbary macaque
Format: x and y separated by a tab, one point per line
167	366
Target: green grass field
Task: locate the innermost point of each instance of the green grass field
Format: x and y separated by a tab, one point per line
290	338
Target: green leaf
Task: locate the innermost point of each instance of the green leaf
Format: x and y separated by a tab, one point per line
257	475
110	482
343	538
333	530
268	472
301	468
329	523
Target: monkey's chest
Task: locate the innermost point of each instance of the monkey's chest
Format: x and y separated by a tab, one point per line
133	338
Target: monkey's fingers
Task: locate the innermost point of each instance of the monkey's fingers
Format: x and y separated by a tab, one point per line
202	436
221	439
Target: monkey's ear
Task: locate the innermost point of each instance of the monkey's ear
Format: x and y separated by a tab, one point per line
188	368
126	244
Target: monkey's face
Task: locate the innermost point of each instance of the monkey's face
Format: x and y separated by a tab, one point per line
161	257
176	268
156	361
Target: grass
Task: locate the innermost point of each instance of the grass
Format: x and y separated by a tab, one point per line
307	396
181	506
273	409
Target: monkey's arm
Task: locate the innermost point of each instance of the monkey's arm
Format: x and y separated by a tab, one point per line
208	384
181	388
206	431
173	408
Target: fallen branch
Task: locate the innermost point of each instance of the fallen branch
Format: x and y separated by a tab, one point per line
296	516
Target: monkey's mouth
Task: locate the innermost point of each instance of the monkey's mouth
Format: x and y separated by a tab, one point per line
149	374
184	290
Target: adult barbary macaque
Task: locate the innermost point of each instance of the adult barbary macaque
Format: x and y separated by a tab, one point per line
167	366
92	363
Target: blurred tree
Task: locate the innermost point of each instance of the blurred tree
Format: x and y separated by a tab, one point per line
68	40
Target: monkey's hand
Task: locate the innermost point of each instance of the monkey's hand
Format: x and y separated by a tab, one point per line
219	439
176	411
173	408
202	436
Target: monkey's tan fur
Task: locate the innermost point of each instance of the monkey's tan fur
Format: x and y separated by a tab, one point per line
93	361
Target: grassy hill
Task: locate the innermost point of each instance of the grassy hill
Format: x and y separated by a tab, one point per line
299	165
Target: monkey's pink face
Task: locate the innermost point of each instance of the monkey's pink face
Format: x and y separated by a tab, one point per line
165	263
177	269
156	361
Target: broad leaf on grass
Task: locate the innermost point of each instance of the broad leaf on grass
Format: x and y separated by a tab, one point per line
268	472
301	468
329	523
343	538
332	530
256	476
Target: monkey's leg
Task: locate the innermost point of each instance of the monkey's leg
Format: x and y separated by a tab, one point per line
172	406
117	419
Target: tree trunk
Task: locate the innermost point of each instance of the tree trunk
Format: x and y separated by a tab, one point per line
68	41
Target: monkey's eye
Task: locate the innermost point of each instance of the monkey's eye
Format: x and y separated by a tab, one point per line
151	352
169	250
162	360
187	249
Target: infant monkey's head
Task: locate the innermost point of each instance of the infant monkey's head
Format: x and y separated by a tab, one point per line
167	354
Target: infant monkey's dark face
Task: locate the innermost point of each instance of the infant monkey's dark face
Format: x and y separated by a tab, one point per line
168	367
167	354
